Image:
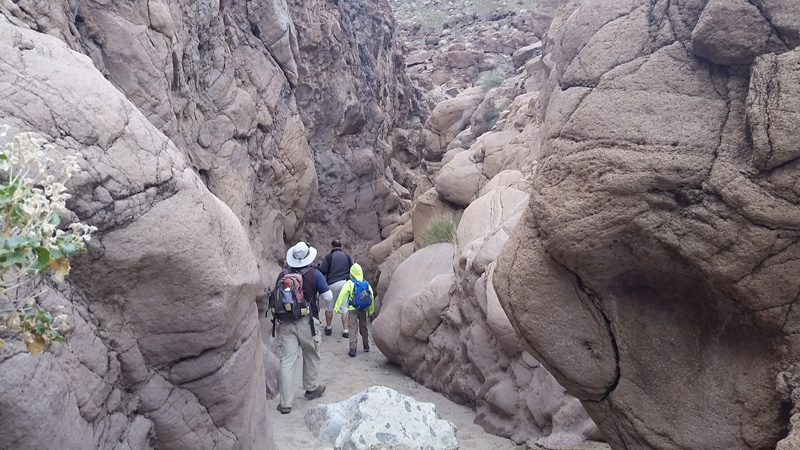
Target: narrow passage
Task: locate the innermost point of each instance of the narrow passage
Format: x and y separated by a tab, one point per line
346	376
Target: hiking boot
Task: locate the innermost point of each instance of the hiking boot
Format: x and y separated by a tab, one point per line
366	347
328	331
284	409
316	393
345	334
352	352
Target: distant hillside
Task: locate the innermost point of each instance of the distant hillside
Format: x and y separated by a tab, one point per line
436	12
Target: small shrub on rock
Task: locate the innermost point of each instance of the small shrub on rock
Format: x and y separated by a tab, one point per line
441	231
491	79
31	243
485	117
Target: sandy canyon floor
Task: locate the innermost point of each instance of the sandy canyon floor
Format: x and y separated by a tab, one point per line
346	376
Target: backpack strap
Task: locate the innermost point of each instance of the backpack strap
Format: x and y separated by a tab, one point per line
310	286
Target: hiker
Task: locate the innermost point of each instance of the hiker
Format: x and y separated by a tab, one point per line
301	335
361	302
336	268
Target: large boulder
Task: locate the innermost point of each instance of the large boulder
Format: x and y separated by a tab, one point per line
387	269
656	256
379	416
442	323
164	349
409	281
448	119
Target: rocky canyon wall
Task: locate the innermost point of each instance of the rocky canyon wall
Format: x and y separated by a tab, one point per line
654	270
439	317
213	134
164	348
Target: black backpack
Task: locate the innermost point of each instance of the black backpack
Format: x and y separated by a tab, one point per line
289	299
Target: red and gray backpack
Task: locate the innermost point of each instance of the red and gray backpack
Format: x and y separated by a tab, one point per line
289	299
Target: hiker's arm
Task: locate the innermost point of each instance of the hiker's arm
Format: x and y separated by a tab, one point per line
371	307
325	267
343	294
321	284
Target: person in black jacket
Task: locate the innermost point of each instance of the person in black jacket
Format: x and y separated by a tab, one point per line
336	268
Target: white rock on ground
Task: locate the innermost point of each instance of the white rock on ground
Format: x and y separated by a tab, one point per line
378	416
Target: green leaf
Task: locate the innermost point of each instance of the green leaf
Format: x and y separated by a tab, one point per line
56	253
41	328
68	248
14	242
13	258
55	220
18	211
42	258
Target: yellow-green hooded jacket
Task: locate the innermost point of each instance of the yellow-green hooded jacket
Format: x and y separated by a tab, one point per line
347	290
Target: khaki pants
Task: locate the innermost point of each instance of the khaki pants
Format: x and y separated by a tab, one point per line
295	338
358	321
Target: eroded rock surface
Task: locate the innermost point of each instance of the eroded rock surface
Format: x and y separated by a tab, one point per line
295	114
378	418
440	318
656	256
164	349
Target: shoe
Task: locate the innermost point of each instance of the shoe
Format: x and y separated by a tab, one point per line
316	393
328	331
352	352
284	409
345	334
366	347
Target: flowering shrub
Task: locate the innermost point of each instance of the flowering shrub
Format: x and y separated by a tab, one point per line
31	245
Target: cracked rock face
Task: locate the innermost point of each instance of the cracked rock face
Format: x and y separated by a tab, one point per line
164	349
286	109
654	272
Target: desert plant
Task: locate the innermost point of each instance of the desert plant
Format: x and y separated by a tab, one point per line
485	117
443	230
491	79
31	244
435	95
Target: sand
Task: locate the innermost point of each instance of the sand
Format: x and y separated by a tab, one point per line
346	376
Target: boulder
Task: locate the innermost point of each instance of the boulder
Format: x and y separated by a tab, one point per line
784	16
409	280
524	54
387	269
493	148
730	32
461	59
378	417
402	234
485	226
448	119
505	179
644	271
460	179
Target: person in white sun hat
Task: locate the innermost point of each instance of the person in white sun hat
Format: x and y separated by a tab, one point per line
302	335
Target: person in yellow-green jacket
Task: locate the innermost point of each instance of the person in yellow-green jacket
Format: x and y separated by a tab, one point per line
359	300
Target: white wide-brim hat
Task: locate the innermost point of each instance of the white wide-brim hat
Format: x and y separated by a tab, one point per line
300	255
